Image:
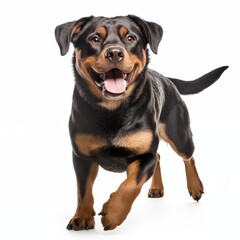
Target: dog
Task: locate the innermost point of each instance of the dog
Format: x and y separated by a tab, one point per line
121	109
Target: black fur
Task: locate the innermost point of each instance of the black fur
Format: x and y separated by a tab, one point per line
104	126
198	85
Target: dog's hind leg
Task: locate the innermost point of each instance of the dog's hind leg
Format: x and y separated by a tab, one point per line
86	173
174	128
156	190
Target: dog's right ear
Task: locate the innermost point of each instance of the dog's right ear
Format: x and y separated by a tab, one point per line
64	33
152	31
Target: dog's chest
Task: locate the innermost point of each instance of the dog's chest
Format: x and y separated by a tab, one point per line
133	143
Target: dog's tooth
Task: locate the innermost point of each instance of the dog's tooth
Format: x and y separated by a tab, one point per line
124	75
103	86
102	75
98	84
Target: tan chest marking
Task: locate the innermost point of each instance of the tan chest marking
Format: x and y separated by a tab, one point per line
88	143
139	142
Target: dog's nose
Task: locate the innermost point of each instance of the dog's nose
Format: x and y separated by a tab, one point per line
114	54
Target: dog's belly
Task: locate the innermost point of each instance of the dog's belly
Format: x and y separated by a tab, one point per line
113	159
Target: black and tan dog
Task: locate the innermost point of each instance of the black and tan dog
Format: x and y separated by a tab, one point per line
121	109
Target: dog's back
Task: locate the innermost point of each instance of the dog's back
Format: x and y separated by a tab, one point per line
121	109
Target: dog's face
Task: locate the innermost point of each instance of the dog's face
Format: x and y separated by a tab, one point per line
110	53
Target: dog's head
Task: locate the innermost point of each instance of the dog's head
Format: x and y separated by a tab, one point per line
110	53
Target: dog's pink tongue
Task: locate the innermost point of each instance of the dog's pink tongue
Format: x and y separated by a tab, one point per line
117	85
114	81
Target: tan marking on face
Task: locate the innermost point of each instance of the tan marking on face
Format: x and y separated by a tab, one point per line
100	64
123	32
110	104
88	143
139	64
83	66
138	142
129	62
103	65
102	32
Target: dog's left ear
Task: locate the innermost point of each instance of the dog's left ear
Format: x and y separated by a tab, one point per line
65	33
152	31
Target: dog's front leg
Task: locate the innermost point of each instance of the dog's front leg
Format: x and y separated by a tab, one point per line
116	209
86	173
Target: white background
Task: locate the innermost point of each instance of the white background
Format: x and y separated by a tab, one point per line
37	181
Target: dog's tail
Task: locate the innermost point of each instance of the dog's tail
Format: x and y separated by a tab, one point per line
199	84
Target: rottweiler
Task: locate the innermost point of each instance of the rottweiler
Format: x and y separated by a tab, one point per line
121	110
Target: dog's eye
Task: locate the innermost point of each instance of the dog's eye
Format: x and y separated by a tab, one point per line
130	38
95	39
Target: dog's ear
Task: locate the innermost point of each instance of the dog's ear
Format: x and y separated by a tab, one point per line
64	33
152	31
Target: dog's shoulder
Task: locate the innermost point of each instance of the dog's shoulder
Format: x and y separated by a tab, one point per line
159	82
162	88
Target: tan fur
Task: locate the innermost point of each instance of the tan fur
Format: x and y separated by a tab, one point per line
116	209
138	142
84	214
156	189
164	136
139	63
123	32
88	143
194	184
102	32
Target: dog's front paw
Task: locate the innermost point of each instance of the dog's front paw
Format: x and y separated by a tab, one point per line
114	212
155	193
77	223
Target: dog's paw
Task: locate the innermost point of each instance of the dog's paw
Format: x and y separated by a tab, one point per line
114	212
77	224
155	193
196	190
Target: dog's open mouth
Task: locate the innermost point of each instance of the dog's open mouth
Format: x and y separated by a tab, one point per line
112	83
